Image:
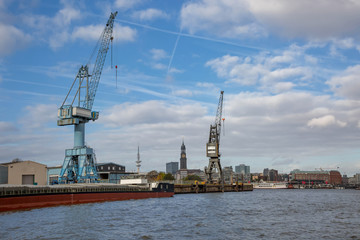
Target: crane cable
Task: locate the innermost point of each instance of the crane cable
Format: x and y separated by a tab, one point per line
223	119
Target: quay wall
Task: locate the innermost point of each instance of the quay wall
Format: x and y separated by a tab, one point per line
208	188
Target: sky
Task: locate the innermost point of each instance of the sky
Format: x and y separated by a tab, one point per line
289	71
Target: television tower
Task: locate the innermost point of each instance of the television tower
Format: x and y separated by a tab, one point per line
138	165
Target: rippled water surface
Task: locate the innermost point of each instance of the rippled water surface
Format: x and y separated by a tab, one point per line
263	214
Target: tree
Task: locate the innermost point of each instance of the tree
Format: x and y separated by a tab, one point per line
192	178
152	175
160	176
168	176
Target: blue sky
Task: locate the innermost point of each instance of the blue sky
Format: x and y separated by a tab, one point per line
289	70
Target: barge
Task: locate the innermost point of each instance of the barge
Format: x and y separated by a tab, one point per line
20	197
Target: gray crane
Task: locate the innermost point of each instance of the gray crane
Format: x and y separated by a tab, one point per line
212	147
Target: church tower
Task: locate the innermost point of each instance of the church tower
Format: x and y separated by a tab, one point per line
183	159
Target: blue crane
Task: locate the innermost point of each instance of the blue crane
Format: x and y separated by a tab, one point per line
212	146
80	161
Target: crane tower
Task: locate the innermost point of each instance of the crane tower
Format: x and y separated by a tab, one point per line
212	147
79	162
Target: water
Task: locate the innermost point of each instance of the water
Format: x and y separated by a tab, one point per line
263	214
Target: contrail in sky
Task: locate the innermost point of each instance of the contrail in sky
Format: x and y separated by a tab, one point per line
187	35
173	53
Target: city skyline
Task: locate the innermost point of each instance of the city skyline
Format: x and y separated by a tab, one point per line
289	71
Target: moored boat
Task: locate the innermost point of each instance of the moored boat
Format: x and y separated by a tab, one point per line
270	185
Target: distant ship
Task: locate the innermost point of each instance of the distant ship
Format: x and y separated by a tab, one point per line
267	185
18	197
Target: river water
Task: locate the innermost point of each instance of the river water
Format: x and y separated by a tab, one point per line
262	214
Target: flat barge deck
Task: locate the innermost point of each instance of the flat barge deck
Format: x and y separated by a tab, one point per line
18	197
209	188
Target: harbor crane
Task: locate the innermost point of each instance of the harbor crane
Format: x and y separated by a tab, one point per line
80	162
212	147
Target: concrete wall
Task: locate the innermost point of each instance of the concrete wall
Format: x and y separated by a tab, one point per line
18	169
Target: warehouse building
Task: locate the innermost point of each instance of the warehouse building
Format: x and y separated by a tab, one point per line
317	177
23	173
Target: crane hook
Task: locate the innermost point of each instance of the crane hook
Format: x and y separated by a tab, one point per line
116	75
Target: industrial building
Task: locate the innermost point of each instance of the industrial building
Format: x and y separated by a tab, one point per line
53	174
23	173
316	177
110	172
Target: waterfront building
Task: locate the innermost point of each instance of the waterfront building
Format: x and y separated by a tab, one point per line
20	172
265	174
316	177
53	174
345	179
183	159
183	173
242	169
172	167
110	172
355	180
273	175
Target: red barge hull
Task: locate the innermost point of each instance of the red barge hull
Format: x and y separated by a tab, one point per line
29	201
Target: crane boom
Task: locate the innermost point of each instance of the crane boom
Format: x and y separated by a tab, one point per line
218	120
105	37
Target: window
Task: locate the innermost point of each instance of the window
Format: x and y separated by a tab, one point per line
102	167
113	168
108	167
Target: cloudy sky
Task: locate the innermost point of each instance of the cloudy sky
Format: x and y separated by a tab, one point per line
289	71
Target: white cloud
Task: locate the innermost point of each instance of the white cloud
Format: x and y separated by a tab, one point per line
347	85
7	127
225	18
282	87
93	32
54	30
305	19
149	14
124	33
310	19
12	39
271	72
235	69
126	4
175	70
90	32
158	66
37	116
325	121
182	93
158	54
